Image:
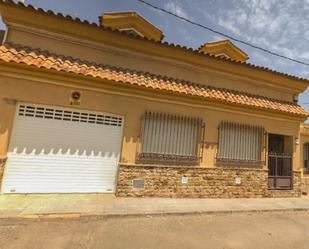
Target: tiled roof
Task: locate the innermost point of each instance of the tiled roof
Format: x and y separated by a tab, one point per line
43	59
20	4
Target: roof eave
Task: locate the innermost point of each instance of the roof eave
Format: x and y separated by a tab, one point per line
12	67
155	47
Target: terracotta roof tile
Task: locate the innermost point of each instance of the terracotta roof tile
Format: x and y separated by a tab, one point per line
20	4
42	59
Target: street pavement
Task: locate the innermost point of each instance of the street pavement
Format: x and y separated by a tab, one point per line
284	230
80	205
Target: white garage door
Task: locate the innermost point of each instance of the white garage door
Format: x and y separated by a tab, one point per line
59	150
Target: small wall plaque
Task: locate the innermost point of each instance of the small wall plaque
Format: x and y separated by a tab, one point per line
237	180
184	179
138	183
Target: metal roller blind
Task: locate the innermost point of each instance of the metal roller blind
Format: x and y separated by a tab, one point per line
239	142
62	150
166	136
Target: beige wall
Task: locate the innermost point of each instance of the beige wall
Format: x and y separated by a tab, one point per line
7	111
132	109
104	54
304	138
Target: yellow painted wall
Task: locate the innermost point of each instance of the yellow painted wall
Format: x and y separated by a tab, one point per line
132	108
107	54
304	138
7	111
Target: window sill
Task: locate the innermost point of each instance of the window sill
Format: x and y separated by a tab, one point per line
151	158
231	162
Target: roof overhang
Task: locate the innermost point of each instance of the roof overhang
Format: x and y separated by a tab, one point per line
42	60
28	16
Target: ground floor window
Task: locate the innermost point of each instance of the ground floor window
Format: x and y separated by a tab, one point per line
240	143
168	137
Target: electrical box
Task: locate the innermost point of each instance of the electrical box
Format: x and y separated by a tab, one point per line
184	179
237	180
138	183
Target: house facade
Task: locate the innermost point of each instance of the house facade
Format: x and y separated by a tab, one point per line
111	108
304	152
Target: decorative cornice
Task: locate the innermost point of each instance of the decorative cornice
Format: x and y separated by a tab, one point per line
155	47
45	60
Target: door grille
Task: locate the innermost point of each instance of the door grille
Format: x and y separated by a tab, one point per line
68	115
280	172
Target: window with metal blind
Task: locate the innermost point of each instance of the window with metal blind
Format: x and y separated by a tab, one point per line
170	137
306	158
240	143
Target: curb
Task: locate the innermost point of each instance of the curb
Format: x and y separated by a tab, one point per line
210	212
95	216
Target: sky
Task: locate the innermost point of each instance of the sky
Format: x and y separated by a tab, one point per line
277	25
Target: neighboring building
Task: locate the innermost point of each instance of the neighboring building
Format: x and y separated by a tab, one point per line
112	108
304	152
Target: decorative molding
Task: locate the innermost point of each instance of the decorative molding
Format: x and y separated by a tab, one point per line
129	54
139	94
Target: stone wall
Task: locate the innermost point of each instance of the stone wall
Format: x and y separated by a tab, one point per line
305	184
219	182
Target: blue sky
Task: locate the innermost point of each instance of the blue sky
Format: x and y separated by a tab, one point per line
278	25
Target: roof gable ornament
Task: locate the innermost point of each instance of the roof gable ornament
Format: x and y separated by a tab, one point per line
224	48
131	22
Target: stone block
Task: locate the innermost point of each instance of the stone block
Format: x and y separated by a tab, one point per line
202	182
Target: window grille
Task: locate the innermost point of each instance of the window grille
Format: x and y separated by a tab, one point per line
170	137
240	143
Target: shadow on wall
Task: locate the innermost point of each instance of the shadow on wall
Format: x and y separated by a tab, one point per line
7	110
64	151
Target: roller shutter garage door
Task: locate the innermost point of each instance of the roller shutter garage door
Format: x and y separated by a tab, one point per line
60	150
